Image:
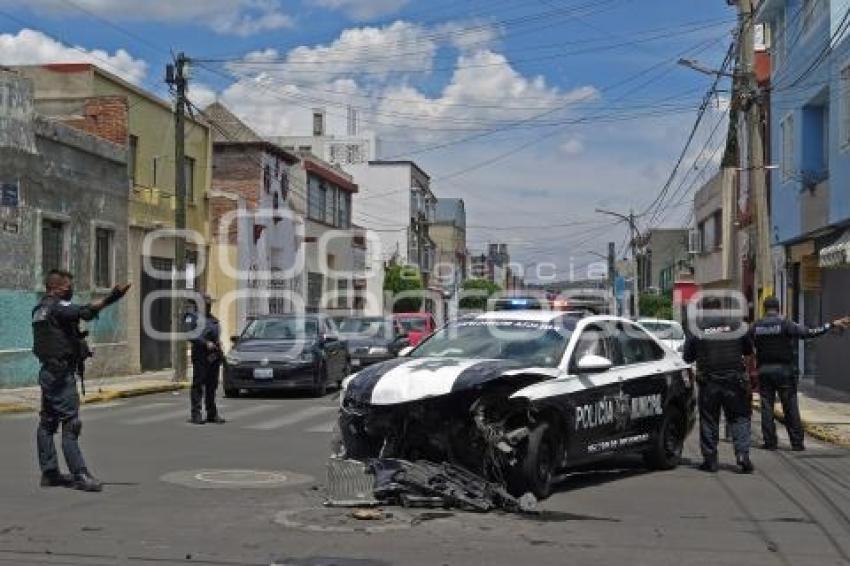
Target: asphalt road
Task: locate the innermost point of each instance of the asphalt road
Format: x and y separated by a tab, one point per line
175	498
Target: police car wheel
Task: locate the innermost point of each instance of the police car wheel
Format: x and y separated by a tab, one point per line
231	392
535	471
666	450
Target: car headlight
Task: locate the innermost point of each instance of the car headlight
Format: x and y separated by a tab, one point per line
306	356
232	359
375	350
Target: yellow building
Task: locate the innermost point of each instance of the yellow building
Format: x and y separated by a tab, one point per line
87	97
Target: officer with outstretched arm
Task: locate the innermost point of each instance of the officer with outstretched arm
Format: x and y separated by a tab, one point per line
57	345
718	343
774	338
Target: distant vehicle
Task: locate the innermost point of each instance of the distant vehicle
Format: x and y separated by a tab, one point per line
417	325
522	396
589	300
668	331
372	339
286	352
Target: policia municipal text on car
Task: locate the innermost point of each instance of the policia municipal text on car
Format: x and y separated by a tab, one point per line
60	348
718	341
774	338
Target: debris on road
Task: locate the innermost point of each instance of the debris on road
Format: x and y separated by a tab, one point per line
389	481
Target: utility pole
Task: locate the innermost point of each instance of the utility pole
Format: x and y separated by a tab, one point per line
176	78
634	235
612	270
753	109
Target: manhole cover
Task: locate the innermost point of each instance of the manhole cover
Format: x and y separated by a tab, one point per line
235	479
339	520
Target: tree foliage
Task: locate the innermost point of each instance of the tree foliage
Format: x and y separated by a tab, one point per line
400	279
473	286
656	306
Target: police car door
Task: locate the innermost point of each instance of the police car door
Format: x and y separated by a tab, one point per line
594	404
643	372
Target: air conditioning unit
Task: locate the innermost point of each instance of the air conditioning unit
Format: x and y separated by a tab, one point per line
694	242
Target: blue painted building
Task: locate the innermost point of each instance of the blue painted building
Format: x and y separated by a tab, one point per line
63	204
809	132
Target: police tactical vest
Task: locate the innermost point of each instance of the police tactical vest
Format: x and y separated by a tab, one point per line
51	343
773	345
719	348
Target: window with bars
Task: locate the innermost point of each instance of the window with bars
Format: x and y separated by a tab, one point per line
330	204
845	108
267	178
52	245
787	133
342	298
132	159
189	168
314	289
316	199
344	211
102	258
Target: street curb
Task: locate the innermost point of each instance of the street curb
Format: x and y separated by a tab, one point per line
819	432
102	396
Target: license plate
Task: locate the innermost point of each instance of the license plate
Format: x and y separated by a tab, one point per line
263	373
355	363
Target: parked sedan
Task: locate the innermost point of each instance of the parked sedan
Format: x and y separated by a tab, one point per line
372	339
286	352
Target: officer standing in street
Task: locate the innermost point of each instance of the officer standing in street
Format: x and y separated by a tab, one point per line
207	356
59	347
774	338
718	341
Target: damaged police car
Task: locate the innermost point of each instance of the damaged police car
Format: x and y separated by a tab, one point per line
519	396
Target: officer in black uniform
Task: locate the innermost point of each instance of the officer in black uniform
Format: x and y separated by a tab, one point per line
207	356
718	343
774	338
59	347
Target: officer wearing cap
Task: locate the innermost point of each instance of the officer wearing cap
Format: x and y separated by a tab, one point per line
774	338
59	347
207	356
718	341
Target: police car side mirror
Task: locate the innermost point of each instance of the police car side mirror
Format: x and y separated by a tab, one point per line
594	364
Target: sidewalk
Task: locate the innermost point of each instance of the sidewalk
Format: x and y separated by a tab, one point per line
825	413
25	399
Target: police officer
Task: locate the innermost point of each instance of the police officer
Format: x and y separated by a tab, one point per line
207	356
58	345
774	337
718	343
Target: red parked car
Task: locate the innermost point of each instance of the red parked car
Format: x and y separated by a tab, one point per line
417	325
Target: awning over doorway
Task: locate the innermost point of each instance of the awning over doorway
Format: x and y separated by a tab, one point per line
837	254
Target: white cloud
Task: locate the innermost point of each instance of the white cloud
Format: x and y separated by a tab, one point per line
380	51
233	17
29	47
470	36
363	10
573	146
201	95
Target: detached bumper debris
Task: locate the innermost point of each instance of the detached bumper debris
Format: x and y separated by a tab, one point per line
417	484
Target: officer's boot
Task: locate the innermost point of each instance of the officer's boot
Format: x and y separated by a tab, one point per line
84	481
709	465
54	478
745	466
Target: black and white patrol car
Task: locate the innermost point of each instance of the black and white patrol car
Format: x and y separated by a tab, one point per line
519	396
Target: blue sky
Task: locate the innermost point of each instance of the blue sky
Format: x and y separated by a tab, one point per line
534	111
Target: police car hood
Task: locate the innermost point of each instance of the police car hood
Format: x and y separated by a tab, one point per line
404	380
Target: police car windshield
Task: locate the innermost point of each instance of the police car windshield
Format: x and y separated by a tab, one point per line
540	344
281	329
364	327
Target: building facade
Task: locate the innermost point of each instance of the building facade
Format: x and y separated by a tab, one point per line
64	205
810	144
449	235
714	243
91	99
664	254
